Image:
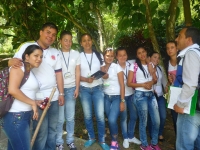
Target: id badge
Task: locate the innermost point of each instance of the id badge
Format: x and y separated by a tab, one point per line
106	84
67	75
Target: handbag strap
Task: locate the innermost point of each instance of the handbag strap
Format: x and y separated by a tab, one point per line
26	73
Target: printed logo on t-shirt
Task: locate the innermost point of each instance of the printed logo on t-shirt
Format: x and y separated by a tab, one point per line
53	57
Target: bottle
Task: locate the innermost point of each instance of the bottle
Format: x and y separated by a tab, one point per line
44	103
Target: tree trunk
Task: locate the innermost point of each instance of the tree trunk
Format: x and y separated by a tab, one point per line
187	12
151	32
74	21
170	25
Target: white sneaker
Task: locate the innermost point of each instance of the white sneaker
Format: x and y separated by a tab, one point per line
59	147
126	143
135	140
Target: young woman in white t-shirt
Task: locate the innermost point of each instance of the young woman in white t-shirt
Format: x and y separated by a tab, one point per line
91	92
127	129
171	67
114	94
144	99
71	75
158	91
16	123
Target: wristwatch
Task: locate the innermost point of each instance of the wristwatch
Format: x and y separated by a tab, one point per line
61	94
123	100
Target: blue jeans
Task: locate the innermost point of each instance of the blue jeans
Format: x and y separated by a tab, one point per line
146	102
129	105
46	138
66	112
112	109
174	119
17	128
188	131
89	97
162	113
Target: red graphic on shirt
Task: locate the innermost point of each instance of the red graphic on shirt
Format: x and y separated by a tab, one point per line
53	57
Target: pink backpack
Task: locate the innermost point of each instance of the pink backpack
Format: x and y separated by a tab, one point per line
135	67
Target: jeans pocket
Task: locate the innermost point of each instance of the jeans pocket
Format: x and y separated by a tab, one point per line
138	95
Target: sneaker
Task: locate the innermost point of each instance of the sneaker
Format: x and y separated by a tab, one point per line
71	146
145	147
59	147
104	146
114	145
89	143
135	140
125	143
155	147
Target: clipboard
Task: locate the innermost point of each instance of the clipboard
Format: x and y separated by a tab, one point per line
98	74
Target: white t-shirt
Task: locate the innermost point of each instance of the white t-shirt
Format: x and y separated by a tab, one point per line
161	81
85	68
69	62
172	71
128	90
29	88
46	72
111	85
140	78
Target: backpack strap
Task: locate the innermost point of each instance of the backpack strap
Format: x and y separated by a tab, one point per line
135	67
26	73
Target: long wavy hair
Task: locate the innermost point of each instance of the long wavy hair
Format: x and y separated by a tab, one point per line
139	62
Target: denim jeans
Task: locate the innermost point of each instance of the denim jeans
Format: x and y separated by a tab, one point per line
162	113
174	119
46	138
67	113
112	109
130	106
16	126
188	131
146	102
89	97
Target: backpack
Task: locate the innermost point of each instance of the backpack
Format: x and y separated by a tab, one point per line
135	67
6	99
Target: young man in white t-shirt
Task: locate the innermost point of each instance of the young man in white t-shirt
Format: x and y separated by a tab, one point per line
71	74
49	75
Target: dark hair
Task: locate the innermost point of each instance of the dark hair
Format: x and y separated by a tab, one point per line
64	32
84	35
139	62
29	50
194	33
174	42
120	49
49	24
152	53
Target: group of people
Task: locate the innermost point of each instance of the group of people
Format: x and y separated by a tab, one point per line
131	88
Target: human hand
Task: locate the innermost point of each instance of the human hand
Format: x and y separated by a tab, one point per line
148	85
61	100
15	62
151	68
90	79
76	93
35	112
122	106
178	109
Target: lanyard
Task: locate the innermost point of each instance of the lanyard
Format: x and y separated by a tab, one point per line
89	64
125	74
67	64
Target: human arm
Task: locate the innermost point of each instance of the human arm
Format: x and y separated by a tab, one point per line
60	85
15	79
78	76
15	62
191	69
122	89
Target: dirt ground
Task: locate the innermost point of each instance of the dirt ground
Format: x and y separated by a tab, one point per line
167	144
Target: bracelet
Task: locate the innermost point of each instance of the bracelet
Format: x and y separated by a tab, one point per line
61	94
